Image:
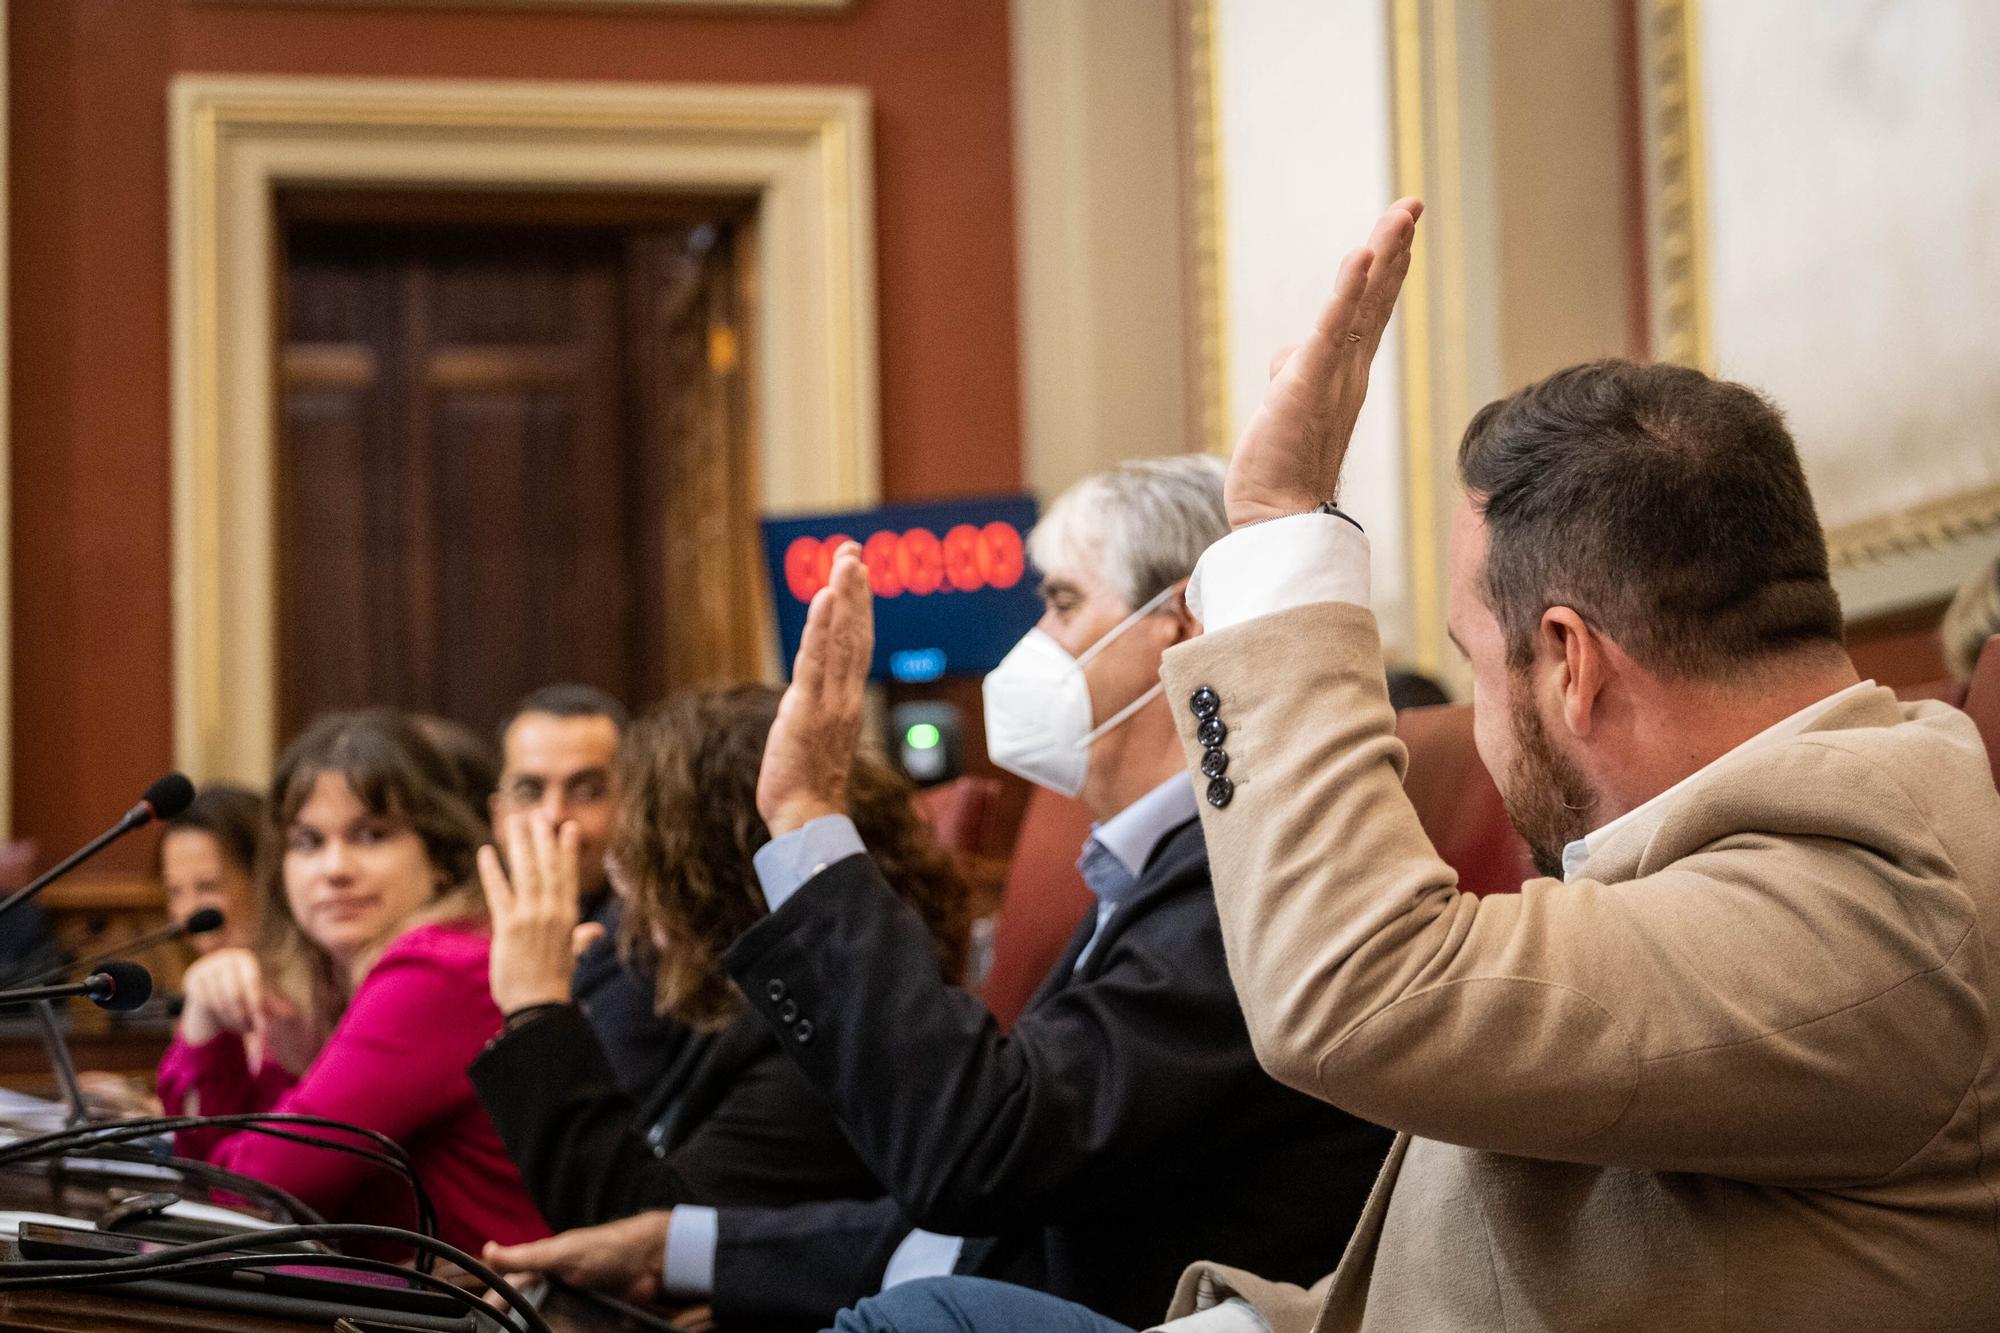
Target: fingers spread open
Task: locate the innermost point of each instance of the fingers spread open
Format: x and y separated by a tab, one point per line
569	857
493	879
521	868
542	837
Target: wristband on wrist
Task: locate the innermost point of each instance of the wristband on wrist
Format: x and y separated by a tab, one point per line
528	1013
1331	507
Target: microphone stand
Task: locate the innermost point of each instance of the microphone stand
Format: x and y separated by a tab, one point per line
57	1046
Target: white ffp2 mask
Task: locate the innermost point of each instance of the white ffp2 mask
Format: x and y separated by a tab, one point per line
1038	707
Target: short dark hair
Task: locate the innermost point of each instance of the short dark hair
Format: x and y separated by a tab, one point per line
1666	507
568	700
233	816
475	765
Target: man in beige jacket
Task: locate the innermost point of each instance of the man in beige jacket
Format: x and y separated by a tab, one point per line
1732	1064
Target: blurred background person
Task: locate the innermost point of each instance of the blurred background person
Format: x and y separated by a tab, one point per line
366	997
734	1121
1972	618
559	752
208	858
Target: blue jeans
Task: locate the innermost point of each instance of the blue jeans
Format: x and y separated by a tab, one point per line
969	1305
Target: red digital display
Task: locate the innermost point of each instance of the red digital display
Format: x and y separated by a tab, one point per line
916	561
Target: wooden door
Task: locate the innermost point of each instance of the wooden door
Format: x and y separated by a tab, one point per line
511	454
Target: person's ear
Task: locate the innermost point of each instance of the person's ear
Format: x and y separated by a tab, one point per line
1185	626
1571	663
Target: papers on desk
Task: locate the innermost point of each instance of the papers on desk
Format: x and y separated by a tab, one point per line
30	1115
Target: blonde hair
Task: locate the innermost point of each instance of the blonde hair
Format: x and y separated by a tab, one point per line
1972	618
397	774
688	827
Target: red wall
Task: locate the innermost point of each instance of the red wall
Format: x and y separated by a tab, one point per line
88	197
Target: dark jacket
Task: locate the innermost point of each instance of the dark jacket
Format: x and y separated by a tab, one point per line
618	1001
1122	1130
731	1122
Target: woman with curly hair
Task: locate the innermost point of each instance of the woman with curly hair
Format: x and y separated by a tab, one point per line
733	1121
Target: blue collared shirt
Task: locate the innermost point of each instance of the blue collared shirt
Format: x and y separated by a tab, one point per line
1115	856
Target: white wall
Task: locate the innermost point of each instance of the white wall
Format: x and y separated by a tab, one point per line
1307	165
1096	155
1854	221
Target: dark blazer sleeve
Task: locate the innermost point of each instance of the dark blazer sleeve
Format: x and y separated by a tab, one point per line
796	1267
766	1138
972	1131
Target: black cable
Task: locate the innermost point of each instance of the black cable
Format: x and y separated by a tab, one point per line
73	1276
93	1137
392	1154
192	1259
212	1177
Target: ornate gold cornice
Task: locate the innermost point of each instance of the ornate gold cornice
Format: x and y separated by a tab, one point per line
1918	528
1428	157
1677	184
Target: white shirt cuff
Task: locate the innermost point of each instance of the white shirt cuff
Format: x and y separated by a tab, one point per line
690	1261
1234	1315
1277	565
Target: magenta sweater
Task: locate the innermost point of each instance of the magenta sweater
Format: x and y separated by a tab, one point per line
395	1063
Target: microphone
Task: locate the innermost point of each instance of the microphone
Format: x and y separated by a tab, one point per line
199	923
167	797
117	986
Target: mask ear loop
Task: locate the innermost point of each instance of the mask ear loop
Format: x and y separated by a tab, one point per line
1090	737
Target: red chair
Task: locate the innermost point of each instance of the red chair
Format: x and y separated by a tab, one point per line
1042	902
960	813
1457	801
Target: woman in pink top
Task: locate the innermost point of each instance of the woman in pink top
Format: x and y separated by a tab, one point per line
367	997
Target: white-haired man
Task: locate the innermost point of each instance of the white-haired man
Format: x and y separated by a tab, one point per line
1067	1153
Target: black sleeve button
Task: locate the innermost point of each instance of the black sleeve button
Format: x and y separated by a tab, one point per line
1204	703
1211	732
802	1032
788	1011
776	990
1214	763
1219	792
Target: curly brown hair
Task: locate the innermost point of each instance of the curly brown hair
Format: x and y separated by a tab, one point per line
688	827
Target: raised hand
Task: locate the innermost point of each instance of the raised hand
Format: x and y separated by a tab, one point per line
534	902
812	742
1290	455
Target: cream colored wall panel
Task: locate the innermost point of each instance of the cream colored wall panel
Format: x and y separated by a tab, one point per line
1852	184
1098	207
1307	165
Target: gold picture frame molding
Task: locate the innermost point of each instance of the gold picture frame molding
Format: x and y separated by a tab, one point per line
1680	274
804	154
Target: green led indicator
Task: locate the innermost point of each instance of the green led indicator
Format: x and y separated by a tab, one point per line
923	736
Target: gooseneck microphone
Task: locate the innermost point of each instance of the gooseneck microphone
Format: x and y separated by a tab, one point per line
203	922
167	797
117	986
